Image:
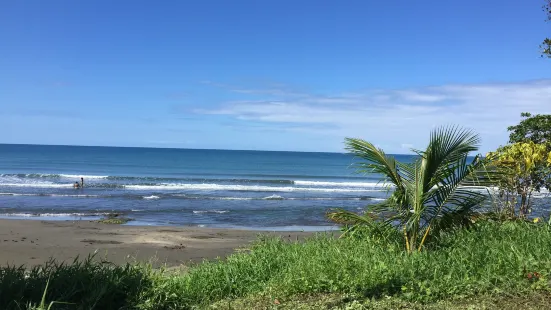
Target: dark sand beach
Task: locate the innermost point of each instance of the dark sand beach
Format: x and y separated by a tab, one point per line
32	242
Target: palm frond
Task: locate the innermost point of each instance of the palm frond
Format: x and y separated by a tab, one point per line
376	160
407	170
484	173
447	146
460	215
450	194
343	216
432	194
352	221
391	211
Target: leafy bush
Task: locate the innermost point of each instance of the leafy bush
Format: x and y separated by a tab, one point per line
525	167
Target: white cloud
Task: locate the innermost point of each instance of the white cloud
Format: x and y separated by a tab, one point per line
413	96
391	116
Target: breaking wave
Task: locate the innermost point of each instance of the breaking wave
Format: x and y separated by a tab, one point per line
274	197
342	184
151	197
49	195
52	176
52	214
251	188
210	211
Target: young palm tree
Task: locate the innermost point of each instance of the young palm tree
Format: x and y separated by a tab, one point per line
430	195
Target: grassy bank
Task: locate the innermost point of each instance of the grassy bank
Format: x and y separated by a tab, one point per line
491	260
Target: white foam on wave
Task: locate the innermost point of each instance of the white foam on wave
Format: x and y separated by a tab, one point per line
254	188
211	211
48	195
52	175
213	198
540	195
76	176
324	198
151	197
51	214
342	184
277	197
37	185
74	196
274	197
15	175
230	198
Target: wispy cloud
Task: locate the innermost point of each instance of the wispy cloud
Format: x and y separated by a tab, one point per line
390	117
267	89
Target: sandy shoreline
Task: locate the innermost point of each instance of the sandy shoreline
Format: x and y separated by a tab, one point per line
32	242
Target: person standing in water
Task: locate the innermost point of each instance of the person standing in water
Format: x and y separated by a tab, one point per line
81	182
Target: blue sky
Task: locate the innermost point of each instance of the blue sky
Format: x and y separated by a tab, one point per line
267	75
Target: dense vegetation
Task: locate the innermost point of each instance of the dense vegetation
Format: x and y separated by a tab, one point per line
430	195
535	128
488	259
525	164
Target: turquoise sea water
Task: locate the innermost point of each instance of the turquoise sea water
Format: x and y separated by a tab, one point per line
212	188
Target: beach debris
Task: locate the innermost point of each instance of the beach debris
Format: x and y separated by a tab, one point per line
114	218
175	247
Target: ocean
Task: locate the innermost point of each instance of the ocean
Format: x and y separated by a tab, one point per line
205	188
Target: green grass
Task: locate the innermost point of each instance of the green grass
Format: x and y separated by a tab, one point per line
488	261
531	301
114	221
88	284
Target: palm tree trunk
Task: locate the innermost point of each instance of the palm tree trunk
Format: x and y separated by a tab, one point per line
408	249
413	238
424	238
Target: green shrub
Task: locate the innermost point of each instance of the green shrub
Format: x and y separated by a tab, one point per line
88	284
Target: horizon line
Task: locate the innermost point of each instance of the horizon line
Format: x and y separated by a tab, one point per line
173	148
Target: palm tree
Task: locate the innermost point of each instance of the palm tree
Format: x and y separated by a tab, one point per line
430	195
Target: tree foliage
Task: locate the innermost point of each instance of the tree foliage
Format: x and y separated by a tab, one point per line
535	128
524	164
546	45
430	195
525	168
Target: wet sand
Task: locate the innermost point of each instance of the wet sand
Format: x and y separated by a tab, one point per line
32	242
